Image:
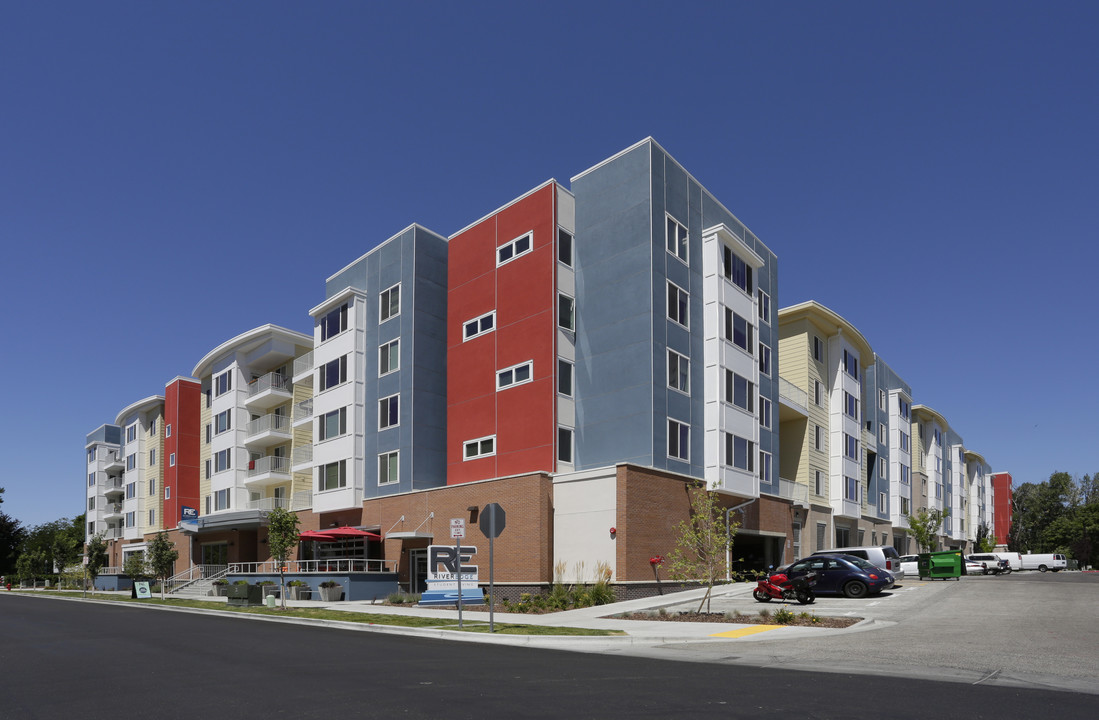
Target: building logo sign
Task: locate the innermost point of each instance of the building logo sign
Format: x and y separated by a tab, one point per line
445	569
188	514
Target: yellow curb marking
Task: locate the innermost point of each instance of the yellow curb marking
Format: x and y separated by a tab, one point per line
747	631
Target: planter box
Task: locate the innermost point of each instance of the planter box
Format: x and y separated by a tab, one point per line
221	590
299	592
331	594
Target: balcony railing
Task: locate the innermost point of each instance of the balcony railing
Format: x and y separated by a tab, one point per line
270	381
268	464
269	503
302	500
344	565
303	455
303	410
114	534
269	423
303	364
792	393
790	490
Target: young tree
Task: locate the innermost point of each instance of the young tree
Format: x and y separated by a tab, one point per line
161	560
282	536
97	557
134	566
985	542
702	542
925	525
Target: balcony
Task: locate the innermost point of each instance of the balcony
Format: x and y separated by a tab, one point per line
303	368
113	486
115	463
793	401
113	511
268	504
268	391
267	431
112	534
790	490
303	412
269	470
302	458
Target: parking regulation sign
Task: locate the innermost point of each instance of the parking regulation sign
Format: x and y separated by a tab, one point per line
457	528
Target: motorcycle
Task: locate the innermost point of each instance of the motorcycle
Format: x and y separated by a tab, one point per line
776	586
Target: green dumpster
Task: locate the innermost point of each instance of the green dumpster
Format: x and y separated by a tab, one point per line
941	564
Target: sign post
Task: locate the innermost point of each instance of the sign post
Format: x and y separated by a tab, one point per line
458	531
492	524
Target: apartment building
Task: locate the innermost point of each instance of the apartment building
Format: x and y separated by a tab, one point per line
1002	507
888	410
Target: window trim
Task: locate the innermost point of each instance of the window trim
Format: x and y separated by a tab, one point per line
685	241
389	412
322	373
341	424
529	365
381	348
763	305
572	311
765	359
477	454
382	303
466	335
561	364
679	363
528	235
341	475
684	445
683	299
765	402
396	454
571	245
171	460
570	433
729	397
343	311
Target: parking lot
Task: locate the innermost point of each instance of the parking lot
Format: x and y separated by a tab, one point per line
1026	628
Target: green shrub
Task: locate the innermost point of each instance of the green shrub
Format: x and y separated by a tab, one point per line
784	617
765	614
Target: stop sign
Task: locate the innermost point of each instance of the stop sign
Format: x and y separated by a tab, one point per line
492	520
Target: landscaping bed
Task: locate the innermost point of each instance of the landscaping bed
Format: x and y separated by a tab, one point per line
764	617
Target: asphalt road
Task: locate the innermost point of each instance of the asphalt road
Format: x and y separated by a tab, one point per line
61	658
1028	629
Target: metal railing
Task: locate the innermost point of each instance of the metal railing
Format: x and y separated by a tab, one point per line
269	503
790	490
270	381
114	508
791	392
304	363
269	464
112	534
269	422
194	574
110	571
335	565
303	410
112	484
302	455
302	500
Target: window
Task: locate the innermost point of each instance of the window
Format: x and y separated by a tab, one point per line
207	469
152	487
906	478
209	432
389	468
883	503
172	460
566	312
739	391
389	357
938	437
481	447
167	492
332	424
883	434
764	467
131	490
818	482
818	437
765	359
515	375
91	503
91	479
478	326
564	444
223	383
851	489
131	461
223	460
905	407
130	519
738	331
881	399
152	426
679	372
509	251
904	506
222	499
564	377
389	303
678	304
131	432
168	430
223	421
739	452
152	458
676	238
764	306
850	446
332	476
736	271
91	454
564	247
822	529
883	468
816	392
334	322
152	517
904	441
679	436
764	412
818	349
851	364
389	412
850	405
332	373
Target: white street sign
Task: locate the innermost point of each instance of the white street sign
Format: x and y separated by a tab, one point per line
457	528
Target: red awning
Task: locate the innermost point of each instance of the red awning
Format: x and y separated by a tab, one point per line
348	533
318	536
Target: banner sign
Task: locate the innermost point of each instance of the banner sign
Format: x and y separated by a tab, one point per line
188	514
141	589
443	576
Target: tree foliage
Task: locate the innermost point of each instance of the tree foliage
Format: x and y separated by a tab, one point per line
134	566
282	536
924	526
161	559
702	542
12	536
1060	515
96	553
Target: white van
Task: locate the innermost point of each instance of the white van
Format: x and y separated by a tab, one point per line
884	556
1014	559
1044	561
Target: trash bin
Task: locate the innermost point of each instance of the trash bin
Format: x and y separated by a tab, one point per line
941	564
270	600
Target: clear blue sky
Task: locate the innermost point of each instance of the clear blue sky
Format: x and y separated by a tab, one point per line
174	174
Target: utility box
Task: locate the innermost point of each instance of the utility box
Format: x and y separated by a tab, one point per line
245	595
941	564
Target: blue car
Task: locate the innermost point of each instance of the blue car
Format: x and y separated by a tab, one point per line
846	574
